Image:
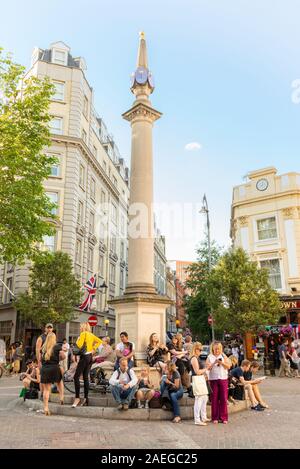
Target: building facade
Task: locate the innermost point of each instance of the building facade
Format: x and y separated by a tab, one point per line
90	186
160	263
265	222
171	293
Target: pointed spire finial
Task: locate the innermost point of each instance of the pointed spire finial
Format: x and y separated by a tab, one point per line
142	60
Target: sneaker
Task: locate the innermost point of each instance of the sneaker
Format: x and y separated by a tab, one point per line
125	406
201	424
139	405
146	405
120	407
258	408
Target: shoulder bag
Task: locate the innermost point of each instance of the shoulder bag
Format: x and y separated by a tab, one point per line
199	385
80	351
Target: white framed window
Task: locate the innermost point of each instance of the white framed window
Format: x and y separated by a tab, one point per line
53	196
266	228
92	222
56	125
103	197
273	267
80	213
103	233
114	213
113	243
85	106
90	259
93	189
115	183
59	57
82	176
55	168
49	243
59	91
112	273
84	135
78	253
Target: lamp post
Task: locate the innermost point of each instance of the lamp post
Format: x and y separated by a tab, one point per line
177	322
205	210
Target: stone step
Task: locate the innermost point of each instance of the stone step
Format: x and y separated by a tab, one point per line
106	400
111	413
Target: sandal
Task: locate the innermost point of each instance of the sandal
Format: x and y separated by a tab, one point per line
176	420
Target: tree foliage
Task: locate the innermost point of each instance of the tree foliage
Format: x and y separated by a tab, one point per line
53	290
240	295
25	210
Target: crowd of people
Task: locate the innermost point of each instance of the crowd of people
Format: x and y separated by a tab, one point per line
224	376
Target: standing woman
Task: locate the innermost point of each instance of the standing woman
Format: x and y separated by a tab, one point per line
89	342
218	365
51	373
198	368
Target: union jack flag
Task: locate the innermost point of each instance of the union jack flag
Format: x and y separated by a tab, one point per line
91	287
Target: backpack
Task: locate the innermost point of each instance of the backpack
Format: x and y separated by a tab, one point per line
31	394
128	374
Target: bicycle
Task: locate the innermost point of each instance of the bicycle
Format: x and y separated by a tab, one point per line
98	382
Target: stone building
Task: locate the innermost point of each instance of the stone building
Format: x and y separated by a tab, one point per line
90	186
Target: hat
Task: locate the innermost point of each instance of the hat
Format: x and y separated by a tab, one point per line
49	325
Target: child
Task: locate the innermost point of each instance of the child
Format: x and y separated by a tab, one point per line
145	389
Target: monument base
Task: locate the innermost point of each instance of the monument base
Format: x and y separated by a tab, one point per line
141	314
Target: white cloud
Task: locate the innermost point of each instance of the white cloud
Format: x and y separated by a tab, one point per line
193	146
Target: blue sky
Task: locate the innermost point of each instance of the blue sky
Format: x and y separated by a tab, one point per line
223	72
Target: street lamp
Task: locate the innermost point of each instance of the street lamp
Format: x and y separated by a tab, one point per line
106	322
205	210
177	322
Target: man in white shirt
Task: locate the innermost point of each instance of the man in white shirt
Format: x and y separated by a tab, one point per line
123	384
125	349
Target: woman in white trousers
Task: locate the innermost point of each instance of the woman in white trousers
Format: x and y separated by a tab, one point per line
198	368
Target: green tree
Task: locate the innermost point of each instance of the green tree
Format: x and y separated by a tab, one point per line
196	304
25	210
53	290
240	295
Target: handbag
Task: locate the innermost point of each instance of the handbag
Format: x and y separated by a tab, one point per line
80	351
199	385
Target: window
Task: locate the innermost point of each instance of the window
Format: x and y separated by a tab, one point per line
53	196
78	251
121	279
273	266
83	135
113	243
266	228
122	224
59	91
92	222
105	166
93	188
5	327
49	243
55	170
112	273
80	212
114	213
103	233
56	125
90	259
8	296
101	265
122	251
103	198
115	181
59	57
81	176
85	106
94	151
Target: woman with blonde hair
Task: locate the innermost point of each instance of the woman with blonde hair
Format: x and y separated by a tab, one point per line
218	365
171	383
198	368
156	352
87	344
51	373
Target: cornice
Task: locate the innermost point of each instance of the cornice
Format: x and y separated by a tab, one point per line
256	200
141	110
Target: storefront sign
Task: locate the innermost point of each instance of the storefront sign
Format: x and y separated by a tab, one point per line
290	304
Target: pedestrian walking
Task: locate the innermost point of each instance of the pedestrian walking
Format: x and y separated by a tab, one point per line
87	343
284	361
218	365
52	354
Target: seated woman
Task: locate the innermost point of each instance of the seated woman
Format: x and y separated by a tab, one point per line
105	356
248	376
157	353
145	389
178	355
32	377
171	384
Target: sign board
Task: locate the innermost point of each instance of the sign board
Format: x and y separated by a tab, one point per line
93	321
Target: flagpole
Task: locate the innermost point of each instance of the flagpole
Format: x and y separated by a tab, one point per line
5	286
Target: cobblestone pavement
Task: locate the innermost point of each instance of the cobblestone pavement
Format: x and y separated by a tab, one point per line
274	428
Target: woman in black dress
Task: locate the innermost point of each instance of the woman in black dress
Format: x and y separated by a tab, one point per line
51	373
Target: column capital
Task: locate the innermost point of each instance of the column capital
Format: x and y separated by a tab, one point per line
141	111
